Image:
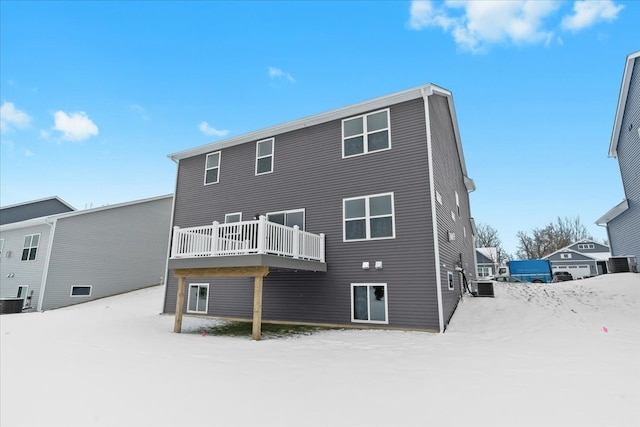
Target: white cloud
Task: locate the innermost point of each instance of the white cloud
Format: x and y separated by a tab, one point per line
208	130
74	127
476	24
277	73
11	117
588	13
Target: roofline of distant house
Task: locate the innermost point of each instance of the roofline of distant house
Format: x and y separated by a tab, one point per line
48	219
622	100
340	113
37	201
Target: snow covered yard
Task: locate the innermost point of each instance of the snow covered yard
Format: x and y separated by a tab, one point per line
564	354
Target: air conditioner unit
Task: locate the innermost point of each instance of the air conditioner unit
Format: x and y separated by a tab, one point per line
484	288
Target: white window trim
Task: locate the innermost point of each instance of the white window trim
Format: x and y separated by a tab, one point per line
81	286
565	256
226	217
1	247
272	155
386	304
438	197
368	217
451	285
365	137
586	246
37	247
206	169
206	304
458	204
304	215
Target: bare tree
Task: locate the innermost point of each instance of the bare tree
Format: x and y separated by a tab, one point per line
548	239
487	237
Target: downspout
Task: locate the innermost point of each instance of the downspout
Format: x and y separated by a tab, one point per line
47	260
173	211
434	216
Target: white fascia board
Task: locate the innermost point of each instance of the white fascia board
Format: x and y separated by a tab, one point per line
622	101
340	113
613	213
116	206
24	224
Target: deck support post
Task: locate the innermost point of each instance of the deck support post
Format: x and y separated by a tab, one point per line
177	327
257	308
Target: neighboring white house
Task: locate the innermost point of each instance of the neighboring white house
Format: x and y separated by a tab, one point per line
487	261
67	258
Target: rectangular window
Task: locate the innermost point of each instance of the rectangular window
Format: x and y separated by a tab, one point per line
368	217
366	134
565	256
458	204
450	283
23	292
369	303
198	299
586	246
30	248
81	291
1	247
439	197
288	218
233	217
264	156
212	168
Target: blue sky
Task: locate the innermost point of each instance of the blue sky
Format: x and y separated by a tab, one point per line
94	95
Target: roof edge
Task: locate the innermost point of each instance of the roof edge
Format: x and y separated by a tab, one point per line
613	213
622	100
38	201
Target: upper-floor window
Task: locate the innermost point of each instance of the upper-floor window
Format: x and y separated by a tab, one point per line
565	256
586	246
264	156
365	134
30	248
288	218
1	247
212	168
458	204
369	217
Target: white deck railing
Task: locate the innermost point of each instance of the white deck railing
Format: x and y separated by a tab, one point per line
247	237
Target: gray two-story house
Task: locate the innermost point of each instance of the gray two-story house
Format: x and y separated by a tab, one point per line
356	217
623	220
584	258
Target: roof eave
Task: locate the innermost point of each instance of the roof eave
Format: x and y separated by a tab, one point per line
613	213
622	100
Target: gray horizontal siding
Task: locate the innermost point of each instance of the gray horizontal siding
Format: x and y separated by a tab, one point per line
448	179
310	173
113	250
624	231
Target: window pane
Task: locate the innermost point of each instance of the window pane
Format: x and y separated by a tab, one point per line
352	127
354	208
353	146
27	241
277	218
25	254
377	121
264	165
355	229
203	293
32	254
378	141
265	148
211	176
381	227
295	218
360	310
35	239
193	298
376	300
81	291
232	218
213	160
380	205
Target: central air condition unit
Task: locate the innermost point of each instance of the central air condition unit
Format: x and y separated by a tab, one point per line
484	288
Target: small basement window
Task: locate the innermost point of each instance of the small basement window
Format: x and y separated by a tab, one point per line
81	291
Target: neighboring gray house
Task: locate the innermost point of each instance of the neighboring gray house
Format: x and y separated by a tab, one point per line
623	220
63	259
355	217
584	258
487	261
34	209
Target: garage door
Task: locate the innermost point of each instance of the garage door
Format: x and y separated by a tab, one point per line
577	271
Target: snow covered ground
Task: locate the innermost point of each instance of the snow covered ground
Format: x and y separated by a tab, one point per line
565	354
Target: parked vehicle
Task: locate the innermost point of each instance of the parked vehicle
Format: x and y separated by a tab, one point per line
562	276
531	270
506	279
